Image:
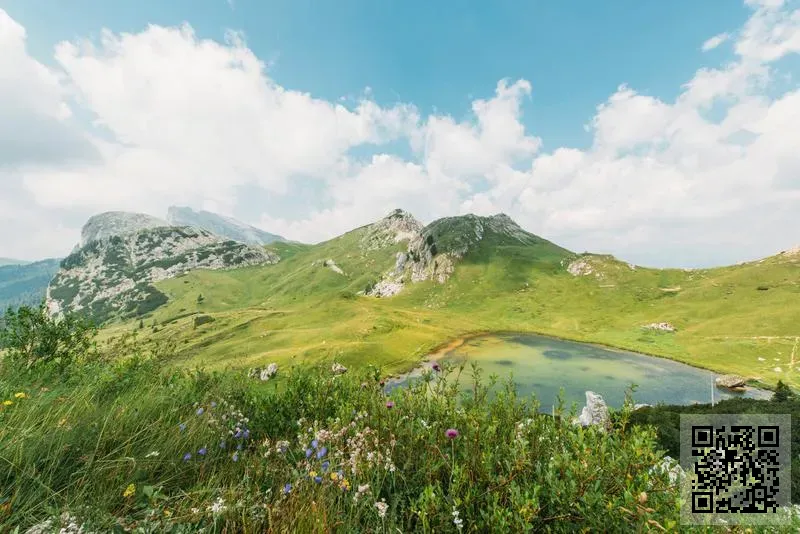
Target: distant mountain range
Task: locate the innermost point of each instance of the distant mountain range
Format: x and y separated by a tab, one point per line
25	283
220	225
10	261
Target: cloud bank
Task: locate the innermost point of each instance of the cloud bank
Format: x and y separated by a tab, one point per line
142	121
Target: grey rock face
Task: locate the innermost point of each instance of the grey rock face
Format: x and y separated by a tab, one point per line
595	413
226	227
117	223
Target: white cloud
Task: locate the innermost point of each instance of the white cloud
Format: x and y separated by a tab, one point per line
715	41
180	120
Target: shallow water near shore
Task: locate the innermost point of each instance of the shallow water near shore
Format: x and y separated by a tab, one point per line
542	365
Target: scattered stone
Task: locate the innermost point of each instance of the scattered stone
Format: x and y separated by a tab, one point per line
640	406
263	374
338	369
671	467
663	327
580	268
595	413
330	264
730	381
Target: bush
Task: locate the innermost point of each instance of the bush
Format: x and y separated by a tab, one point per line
31	337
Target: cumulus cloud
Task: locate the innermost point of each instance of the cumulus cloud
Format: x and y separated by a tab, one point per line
180	120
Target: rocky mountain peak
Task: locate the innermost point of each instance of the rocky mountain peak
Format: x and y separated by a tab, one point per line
220	225
396	227
117	223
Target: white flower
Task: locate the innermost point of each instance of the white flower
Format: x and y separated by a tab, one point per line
218	506
382	508
457	521
151	454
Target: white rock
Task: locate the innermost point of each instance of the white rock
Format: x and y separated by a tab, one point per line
664	327
338	368
595	412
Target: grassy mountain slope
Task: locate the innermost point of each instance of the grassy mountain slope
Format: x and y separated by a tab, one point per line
25	283
743	319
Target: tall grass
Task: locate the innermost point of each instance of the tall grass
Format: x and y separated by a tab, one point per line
119	443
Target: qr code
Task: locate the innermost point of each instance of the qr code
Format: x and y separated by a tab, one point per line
737	467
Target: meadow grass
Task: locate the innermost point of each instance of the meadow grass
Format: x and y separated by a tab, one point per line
301	311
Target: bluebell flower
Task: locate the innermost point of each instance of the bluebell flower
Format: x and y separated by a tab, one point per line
187	457
246	434
235	457
325	465
238	434
239	447
309	452
315	444
182	427
221	444
200	411
318	479
287	488
202	451
322	452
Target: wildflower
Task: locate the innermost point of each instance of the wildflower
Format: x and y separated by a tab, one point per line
325	465
151	454
389	404
202	451
282	446
287	488
309	452
238	446
451	433
130	490
457	521
167	513
345	484
20	395
322	452
235	457
222	444
382	508
436	367
200	411
246	434
187	457
318	479
213	404
217	507
315	444
312	474
334	476
182	427
8	402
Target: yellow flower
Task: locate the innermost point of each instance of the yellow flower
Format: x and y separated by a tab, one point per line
8	402
167	513
21	395
334	476
130	490
312	474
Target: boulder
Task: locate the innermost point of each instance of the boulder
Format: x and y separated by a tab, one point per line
338	369
263	374
595	413
730	381
662	327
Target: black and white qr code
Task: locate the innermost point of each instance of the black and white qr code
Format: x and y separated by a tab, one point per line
736	465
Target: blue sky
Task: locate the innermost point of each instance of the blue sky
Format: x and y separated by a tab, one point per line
438	55
663	132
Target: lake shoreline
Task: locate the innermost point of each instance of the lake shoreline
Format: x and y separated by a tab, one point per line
443	349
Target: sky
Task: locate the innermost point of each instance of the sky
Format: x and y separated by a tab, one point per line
664	133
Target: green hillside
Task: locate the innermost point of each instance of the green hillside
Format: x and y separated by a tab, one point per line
743	319
25	283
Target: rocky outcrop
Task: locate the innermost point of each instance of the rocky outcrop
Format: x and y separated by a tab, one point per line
395	228
662	327
225	227
265	373
117	223
112	275
330	264
730	381
434	251
595	413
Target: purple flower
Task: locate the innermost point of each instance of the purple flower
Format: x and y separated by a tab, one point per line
315	444
239	447
287	488
451	433
318	479
202	451
182	427
325	465
246	434
200	411
187	457
238	434
390	404
213	404
235	457
221	444
435	366
309	452
322	452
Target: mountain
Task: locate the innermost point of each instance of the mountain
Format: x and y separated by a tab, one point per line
25	284
122	254
11	261
222	226
117	223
